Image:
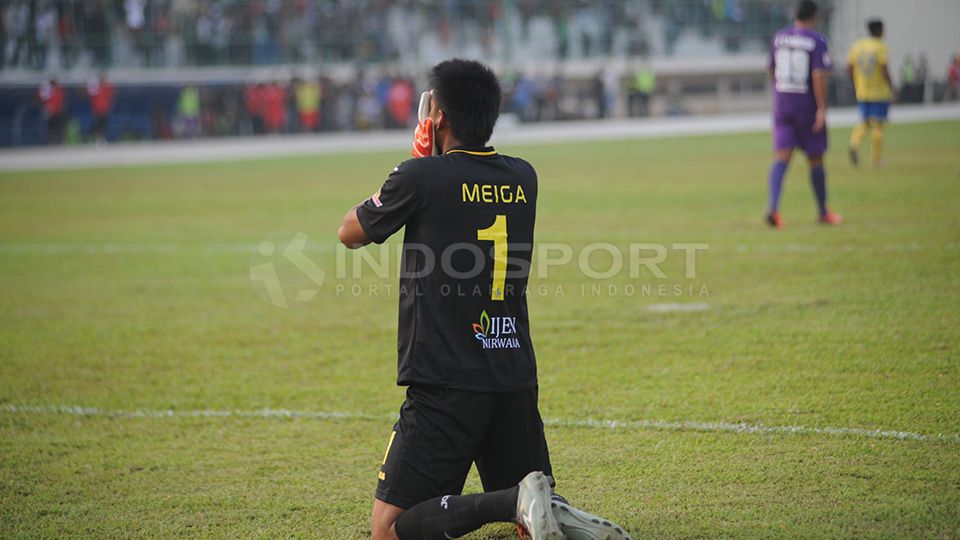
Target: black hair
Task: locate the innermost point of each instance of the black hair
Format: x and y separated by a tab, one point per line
806	10
468	93
875	27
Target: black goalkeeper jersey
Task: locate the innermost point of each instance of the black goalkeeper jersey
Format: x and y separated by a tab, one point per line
469	217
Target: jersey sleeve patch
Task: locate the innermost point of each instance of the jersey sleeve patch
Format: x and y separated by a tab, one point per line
389	209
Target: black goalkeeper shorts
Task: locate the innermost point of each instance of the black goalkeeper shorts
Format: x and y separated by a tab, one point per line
442	431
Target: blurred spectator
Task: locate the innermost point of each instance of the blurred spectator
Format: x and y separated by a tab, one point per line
733	17
161	45
394	33
922	74
546	97
328	97
908	74
598	96
72	133
188	112
204	53
641	88
101	94
136	20
253	106
16	22
274	107
45	33
97	37
3	37
611	91
134	13
382	91
522	100
161	124
349	107
953	79
308	104
912	78
400	103
369	113
266	32
220	110
53	100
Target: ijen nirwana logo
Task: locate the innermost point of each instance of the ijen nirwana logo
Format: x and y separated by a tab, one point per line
490	331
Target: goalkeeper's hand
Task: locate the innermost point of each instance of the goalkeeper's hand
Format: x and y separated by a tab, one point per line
424	143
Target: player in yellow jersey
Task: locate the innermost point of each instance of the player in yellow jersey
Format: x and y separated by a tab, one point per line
871	79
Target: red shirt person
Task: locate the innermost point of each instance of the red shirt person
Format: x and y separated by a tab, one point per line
53	98
400	102
274	107
953	79
101	95
253	102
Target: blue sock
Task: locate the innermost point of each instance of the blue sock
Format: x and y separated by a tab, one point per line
819	181
775	182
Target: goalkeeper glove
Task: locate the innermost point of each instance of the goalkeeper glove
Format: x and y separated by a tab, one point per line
424	136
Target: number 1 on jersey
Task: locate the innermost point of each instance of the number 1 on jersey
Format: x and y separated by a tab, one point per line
497	233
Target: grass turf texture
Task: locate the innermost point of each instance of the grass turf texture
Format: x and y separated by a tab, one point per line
129	289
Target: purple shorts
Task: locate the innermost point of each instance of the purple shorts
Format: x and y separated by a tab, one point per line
796	131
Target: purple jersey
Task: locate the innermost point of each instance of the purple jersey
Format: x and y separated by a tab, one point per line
794	55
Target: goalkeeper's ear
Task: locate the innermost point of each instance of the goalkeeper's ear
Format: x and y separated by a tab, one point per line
440	123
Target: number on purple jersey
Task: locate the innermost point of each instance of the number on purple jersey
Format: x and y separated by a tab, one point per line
792	71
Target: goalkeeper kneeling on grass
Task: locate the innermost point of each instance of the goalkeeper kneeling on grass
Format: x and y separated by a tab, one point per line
465	353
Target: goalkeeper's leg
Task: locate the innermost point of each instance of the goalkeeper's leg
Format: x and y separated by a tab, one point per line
438	436
451	516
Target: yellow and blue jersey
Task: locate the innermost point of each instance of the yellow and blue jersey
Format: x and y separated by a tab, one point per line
868	56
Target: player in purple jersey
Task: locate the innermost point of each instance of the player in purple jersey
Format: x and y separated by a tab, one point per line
799	68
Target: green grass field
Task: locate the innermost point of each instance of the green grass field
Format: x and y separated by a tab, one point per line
129	289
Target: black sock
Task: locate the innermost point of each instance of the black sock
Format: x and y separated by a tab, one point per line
456	515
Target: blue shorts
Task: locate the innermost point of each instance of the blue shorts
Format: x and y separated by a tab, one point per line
876	110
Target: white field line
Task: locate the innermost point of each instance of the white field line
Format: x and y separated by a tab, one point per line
142	248
172	248
656	425
674	307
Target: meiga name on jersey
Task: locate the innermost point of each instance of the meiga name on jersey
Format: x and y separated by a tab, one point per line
491	194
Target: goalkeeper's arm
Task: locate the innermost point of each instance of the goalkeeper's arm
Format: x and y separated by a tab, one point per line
351	232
